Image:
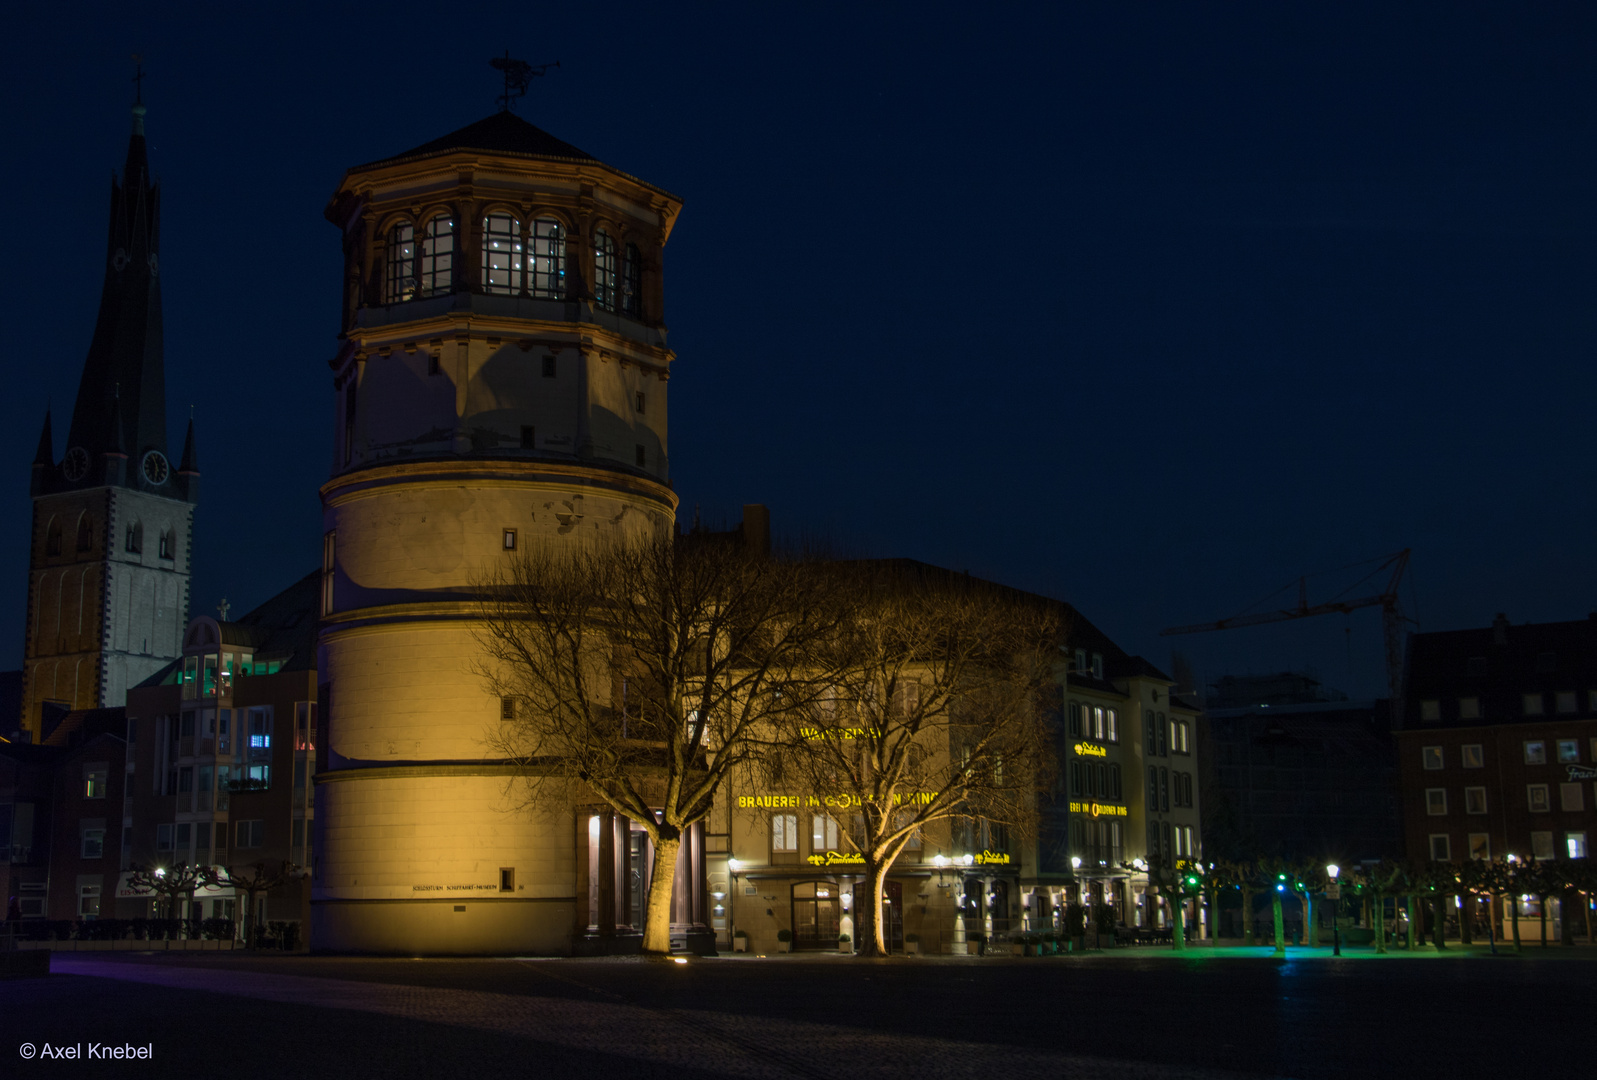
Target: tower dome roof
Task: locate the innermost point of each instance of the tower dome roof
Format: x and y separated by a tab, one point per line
501	133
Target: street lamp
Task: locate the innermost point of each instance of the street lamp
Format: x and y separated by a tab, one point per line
1333	893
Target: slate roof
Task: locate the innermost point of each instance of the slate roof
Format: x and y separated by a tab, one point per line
501	133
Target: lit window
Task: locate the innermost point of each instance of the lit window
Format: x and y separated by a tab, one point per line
1469	708
1474	756
548	261
1111	730
632	282
508	542
1533	704
503	265
1571	798
1474	800
1575	844
1432	756
1480	845
1081	661
438	256
1564	701
823	833
1430	709
93	845
1541	845
1436	801
94	781
1441	848
1568	750
784	838
1535	752
1536	798
89	901
604	271
401	263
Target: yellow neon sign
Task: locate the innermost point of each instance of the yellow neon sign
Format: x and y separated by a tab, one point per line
837	802
1097	809
1087	749
993	858
837	858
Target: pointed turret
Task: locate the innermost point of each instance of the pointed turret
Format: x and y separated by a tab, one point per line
46	453
188	469
122	394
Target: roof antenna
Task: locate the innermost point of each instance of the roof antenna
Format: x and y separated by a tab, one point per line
518	73
138	79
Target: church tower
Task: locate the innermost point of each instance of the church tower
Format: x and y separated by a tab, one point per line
501	385
108	573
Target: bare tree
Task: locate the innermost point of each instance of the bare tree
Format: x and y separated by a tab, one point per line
169	883
935	715
256	879
646	672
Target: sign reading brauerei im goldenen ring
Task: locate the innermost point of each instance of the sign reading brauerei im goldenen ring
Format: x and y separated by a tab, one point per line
1098	809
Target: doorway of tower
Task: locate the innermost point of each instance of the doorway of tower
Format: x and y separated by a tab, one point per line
817	915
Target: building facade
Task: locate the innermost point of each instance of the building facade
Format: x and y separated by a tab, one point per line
108	573
502	384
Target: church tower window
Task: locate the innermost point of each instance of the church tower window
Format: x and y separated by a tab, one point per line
401	263
632	283
438	256
604	270
166	545
85	533
548	259
503	267
52	538
135	538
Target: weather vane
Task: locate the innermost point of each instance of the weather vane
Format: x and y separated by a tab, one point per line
138	79
518	73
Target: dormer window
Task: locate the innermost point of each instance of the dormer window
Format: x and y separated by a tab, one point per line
632	283
503	263
548	261
604	271
438	256
401	263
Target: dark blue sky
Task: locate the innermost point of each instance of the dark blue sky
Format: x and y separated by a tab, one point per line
1150	307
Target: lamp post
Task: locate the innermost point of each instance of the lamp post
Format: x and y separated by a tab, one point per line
1333	894
733	866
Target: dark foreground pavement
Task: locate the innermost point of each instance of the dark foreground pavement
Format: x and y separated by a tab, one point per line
1126	1017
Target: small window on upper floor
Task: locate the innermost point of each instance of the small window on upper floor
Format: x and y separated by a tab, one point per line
1534	704
548	367
1431	756
135	538
509	540
1569	751
605	286
503	264
401	270
632	282
639	401
1081	661
1430	710
547	262
1535	752
437	257
1097	665
1469	708
1473	756
1564	701
85	533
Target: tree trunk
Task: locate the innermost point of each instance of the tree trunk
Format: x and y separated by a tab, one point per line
868	933
1380	923
1439	921
1513	902
1541	914
1178	913
1585	903
1311	932
1247	917
1466	919
1411	928
1280	928
657	919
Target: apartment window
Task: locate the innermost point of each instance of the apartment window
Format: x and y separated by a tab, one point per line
548	367
1111	726
508	542
507	708
92	841
529	437
1568	751
185	839
1164	790
784	838
823	833
507	879
1541	845
1432	757
250	834
1535	752
1536	798
185	780
1114	782
1081	661
1533	704
1564	701
1441	848
1097	723
639	400
1469	708
1430	709
1571	798
1575	844
1480	846
1073	712
163	837
642	458
1474	756
1474	800
1436	801
94	781
89	901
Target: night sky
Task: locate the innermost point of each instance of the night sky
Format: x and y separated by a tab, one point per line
1149	307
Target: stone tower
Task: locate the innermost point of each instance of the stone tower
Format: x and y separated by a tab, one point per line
108	573
501	384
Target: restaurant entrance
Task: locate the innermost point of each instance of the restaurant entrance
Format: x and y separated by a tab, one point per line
816	915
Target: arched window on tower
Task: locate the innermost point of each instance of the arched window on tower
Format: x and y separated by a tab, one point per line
52	537
632	282
401	263
438	256
548	261
85	533
604	270
135	541
503	267
167	545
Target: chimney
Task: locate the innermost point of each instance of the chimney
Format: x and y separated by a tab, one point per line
1500	629
756	528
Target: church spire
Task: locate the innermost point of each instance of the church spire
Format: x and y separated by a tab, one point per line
46	453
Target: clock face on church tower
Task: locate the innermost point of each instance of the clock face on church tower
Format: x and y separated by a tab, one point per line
155	467
75	466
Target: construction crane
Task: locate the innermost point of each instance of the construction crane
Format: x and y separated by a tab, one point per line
1392	617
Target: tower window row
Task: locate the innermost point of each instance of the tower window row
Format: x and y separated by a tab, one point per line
518	258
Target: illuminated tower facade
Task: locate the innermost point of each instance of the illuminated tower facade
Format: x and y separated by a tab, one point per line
501	385
108	570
